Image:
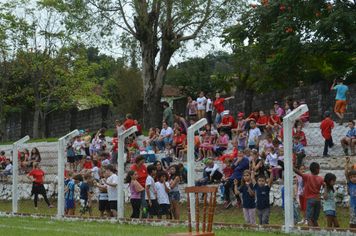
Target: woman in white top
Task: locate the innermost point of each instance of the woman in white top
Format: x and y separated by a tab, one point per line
201	101
209	109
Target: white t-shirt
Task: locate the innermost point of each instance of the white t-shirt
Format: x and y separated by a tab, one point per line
200	102
92	145
105	162
8	168
253	136
208	103
95	172
150	182
79	147
112	191
167	131
162	195
97	143
272	159
167	152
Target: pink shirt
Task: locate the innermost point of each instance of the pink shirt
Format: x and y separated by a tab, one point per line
223	140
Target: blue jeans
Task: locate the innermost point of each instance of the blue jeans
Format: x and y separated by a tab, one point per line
163	143
167	160
218	118
205	181
196	151
295	214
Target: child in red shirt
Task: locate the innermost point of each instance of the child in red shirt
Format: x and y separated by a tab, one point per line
227	173
263	122
301	135
132	146
88	165
326	126
274	122
313	183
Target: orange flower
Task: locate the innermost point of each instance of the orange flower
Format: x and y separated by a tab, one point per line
331	6
317	14
271	56
12	104
288	8
282	8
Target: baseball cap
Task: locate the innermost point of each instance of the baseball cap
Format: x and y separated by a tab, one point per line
88	157
302	102
226	112
275	102
81	131
241	114
327	113
340	78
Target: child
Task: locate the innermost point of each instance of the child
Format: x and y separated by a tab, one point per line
247	153
71	154
269	142
151	194
104	204
274	122
231	155
132	146
256	164
349	139
342	97
7	171
135	189
227	173
78	147
248	197
183	173
326	126
329	200
150	141
301	135
221	143
196	145
276	144
88	165
85	196
94	170
242	140
262	196
2	159
351	182
213	172
114	154
169	156
313	183
111	182
300	192
70	191
128	123
162	188
272	161
205	146
262	123
295	212
298	151
174	194
104	160
287	109
240	126
253	136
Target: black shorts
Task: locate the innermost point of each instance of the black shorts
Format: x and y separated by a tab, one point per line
87	151
78	157
113	205
154	209
104	205
113	159
164	209
262	128
71	159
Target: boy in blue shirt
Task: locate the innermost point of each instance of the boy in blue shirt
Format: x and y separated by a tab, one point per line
349	139
342	97
69	192
85	196
351	182
262	192
298	151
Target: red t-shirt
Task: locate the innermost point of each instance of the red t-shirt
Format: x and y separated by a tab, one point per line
129	123
254	117
276	118
231	119
115	143
281	133
2	159
228	172
88	165
99	164
139	129
180	139
134	145
262	121
313	184
306	114
37	175
142	174
218	104
301	134
325	127
65	172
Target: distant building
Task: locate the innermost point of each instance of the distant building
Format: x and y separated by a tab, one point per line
169	94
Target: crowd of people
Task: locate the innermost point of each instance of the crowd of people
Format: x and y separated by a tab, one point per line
248	170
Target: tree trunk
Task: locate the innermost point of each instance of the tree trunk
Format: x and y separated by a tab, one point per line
36	116
43	125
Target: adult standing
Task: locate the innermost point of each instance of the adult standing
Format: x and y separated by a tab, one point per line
192	107
165	137
37	177
219	106
182	123
209	109
201	101
167	114
342	97
142	175
87	139
227	124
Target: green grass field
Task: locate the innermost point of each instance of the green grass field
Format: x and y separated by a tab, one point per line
231	215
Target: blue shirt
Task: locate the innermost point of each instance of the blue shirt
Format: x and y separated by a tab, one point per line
70	192
352	187
248	201
240	168
351	133
84	189
298	147
70	151
341	92
262	196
